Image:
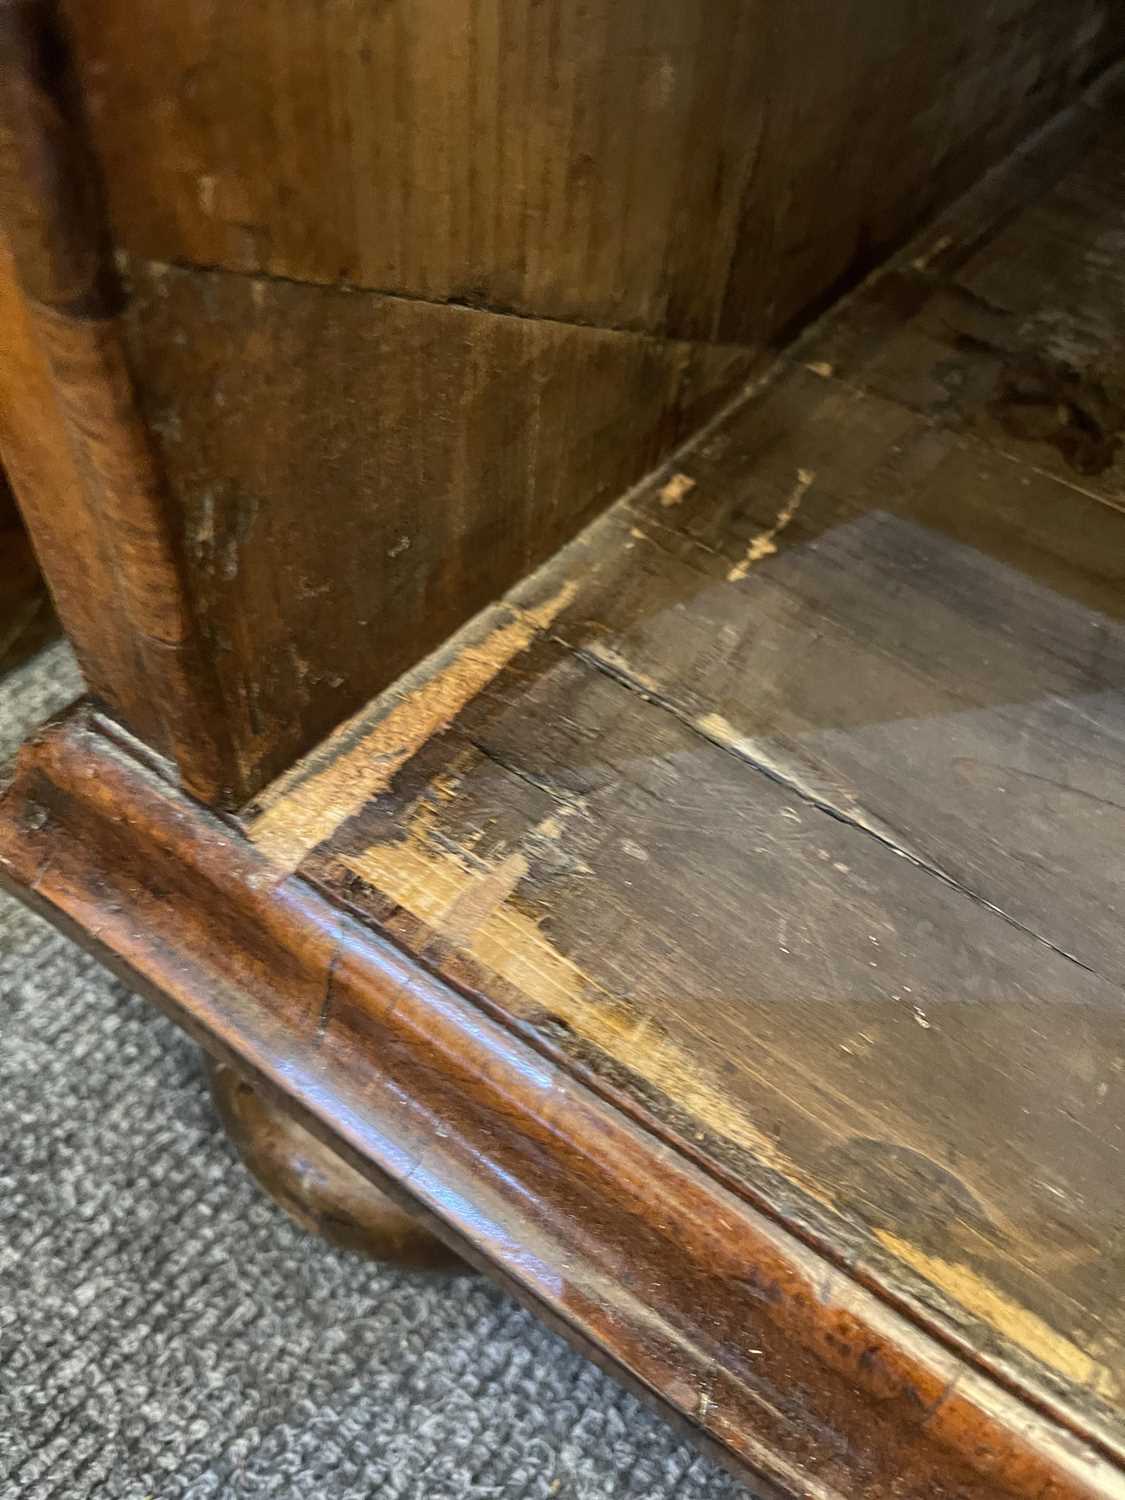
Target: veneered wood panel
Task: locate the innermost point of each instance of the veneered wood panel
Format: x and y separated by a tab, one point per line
355	474
329	482
697	170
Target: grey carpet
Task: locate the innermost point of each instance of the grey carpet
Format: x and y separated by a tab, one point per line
165	1331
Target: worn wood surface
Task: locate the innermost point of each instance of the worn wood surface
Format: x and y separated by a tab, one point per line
787	807
354	475
720	935
1019	340
784	1359
500	262
696	171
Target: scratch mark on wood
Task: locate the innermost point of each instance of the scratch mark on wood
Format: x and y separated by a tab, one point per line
473	910
765	543
715	728
677	487
328	996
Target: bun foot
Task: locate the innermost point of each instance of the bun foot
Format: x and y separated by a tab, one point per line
315	1186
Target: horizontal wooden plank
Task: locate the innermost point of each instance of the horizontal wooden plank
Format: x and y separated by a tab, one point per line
696	171
885	1061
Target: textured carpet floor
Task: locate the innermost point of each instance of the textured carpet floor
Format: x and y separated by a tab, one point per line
166	1332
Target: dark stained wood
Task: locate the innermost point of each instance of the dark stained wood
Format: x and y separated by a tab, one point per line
452	449
1019	340
696	171
315	1185
787	806
27	620
719	938
784	1359
298	490
915	1081
354	474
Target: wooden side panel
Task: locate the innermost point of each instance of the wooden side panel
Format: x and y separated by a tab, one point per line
37	453
356	474
80	456
698	170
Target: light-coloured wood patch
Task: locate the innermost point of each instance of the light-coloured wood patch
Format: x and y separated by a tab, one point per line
306	813
473	909
980	1298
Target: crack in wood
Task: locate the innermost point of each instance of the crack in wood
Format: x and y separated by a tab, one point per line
618	672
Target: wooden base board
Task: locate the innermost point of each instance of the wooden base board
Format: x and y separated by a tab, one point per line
797	1372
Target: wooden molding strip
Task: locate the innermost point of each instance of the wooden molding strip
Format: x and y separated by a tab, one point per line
56	230
791	1368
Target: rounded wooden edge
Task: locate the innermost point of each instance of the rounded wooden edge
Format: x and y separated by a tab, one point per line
315	1186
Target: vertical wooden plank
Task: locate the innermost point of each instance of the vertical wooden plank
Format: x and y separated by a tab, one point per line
69	337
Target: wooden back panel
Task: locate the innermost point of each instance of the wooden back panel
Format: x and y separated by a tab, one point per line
694	171
417	288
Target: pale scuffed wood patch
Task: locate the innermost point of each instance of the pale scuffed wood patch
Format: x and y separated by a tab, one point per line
1024	1328
300	818
677	487
765	543
473	909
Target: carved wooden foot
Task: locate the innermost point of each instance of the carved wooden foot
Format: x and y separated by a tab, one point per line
317	1187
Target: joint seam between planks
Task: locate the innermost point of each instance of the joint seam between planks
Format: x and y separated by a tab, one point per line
882	834
455	304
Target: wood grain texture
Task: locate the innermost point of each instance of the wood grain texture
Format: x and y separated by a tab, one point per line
44	471
700	172
328	481
795	827
783	1359
354	475
1017	340
104	488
